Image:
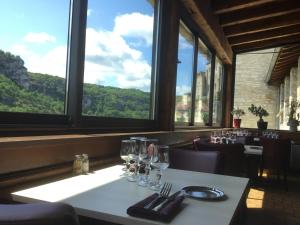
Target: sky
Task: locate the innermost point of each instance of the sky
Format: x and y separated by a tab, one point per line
118	40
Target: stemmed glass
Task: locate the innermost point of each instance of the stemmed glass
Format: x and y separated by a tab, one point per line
132	159
160	162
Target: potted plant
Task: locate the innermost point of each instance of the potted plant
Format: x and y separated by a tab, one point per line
260	112
237	113
293	122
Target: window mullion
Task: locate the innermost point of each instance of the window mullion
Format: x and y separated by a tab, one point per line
192	122
211	90
76	54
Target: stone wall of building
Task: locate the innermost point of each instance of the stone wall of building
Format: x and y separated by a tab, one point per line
251	87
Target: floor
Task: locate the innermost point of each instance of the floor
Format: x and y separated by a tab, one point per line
269	202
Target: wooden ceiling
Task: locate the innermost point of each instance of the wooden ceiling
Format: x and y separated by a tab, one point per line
260	24
238	26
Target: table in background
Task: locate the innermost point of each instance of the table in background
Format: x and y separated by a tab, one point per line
106	195
253	157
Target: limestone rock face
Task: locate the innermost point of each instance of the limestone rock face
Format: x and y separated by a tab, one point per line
13	67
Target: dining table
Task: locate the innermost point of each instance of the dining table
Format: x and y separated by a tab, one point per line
106	194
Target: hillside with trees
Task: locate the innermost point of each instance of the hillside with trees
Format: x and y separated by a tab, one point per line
23	91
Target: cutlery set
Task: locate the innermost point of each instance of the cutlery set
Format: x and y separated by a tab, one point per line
163	198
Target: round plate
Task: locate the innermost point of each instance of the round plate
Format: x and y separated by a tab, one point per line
206	193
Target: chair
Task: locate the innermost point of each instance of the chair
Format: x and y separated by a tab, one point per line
276	156
232	156
38	214
184	159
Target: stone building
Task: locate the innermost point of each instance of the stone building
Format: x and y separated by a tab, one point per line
252	87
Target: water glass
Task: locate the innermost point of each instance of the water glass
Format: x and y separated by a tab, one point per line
159	162
146	149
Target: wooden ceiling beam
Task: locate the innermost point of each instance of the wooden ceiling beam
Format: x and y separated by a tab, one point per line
288	56
201	13
263	25
290	52
221	6
285	63
277	42
284	32
290	47
281	69
258	13
284	66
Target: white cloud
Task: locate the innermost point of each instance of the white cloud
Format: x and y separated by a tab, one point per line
183	89
89	12
52	63
135	25
184	44
39	38
109	56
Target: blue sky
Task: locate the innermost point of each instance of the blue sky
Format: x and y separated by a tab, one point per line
118	46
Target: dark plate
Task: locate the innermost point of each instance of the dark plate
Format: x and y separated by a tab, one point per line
206	193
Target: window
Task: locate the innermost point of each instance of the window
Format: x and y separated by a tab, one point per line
218	89
184	81
203	77
118	59
198	99
33	55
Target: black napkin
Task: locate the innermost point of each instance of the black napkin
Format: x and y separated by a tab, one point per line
166	214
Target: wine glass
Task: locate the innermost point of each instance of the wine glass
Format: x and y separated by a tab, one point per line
126	146
160	162
132	161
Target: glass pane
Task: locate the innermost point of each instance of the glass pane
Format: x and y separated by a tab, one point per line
33	55
218	88
118	57
184	75
202	84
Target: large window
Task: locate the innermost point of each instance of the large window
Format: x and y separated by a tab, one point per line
118	59
218	93
33	55
184	82
198	99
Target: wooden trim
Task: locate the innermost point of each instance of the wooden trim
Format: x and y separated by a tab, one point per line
263	25
258	13
265	35
76	55
235	5
201	13
167	66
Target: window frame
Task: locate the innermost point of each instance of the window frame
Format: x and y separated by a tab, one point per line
72	119
184	16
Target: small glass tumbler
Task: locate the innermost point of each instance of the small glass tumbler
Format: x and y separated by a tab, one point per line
145	151
159	162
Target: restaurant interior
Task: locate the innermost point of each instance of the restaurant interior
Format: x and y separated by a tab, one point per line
209	89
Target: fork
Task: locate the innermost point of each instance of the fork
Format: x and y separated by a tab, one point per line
164	193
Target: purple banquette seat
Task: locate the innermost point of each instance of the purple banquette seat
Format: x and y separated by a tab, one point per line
38	214
186	159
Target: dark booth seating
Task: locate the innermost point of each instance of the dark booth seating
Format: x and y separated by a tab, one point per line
276	156
232	156
38	214
185	159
